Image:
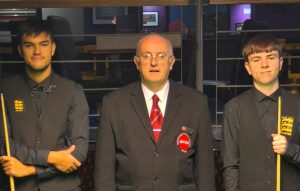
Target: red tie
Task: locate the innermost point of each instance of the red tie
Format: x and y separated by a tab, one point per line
156	118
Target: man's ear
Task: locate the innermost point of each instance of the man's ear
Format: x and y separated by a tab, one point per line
53	48
136	61
246	64
171	62
280	62
20	51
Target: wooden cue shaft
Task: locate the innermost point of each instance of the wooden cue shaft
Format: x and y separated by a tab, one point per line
278	161
11	178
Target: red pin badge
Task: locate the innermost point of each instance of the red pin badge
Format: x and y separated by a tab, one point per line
184	142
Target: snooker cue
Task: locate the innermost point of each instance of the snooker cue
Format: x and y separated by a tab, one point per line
278	155
11	178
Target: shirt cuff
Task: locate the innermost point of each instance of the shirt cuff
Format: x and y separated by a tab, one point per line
290	152
45	173
42	157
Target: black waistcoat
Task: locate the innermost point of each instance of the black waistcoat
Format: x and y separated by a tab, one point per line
45	132
257	165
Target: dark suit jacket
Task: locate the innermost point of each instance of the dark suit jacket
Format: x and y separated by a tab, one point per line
127	157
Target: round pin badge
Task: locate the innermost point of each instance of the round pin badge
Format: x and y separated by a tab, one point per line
184	142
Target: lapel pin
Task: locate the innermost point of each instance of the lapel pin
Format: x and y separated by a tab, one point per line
187	130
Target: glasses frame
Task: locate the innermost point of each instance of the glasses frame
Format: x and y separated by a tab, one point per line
157	58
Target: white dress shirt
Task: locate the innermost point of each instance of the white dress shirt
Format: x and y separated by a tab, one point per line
162	95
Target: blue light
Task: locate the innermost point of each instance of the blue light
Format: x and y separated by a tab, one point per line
247	11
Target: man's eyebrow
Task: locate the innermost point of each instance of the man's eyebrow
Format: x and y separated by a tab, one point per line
26	42
272	54
255	57
44	41
30	42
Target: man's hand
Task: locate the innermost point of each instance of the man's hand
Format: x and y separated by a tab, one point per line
63	160
279	143
13	167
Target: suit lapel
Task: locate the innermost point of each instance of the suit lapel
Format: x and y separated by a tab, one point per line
139	105
173	104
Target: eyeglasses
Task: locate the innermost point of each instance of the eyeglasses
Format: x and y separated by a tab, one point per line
159	57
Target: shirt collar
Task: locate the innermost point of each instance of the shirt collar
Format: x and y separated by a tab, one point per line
45	84
162	94
259	96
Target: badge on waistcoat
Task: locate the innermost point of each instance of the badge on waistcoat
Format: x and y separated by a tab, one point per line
18	105
184	142
286	125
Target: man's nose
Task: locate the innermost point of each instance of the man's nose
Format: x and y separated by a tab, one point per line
153	61
37	50
265	63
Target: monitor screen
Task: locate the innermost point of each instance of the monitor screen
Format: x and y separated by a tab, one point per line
238	14
107	15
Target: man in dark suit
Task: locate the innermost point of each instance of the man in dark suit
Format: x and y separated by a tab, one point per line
154	134
48	117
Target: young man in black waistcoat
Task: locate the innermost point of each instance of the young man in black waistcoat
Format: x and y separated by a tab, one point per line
48	116
250	139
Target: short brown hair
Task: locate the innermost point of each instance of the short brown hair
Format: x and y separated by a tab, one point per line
34	27
262	43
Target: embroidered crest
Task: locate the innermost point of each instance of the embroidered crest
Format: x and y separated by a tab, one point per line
19	105
287	125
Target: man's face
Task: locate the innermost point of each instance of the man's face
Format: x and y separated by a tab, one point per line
37	51
154	62
264	68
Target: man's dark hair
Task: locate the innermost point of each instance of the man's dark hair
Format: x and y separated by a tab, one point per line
34	27
262	43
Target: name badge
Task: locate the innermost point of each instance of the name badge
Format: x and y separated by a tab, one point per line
184	142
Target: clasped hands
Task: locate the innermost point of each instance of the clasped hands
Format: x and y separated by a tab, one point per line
61	160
